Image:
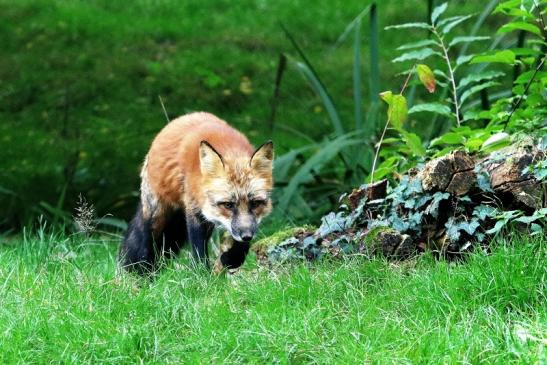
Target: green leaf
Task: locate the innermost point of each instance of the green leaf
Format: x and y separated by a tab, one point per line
386	96
526	219
484	211
505	56
506	6
536	229
409	25
496	141
503	219
416	55
476	89
450	23
464	59
509	27
413	142
526	76
514	8
441	74
431	107
448	138
386	167
390	140
397	111
437	12
481	76
433	208
419	44
527	52
454	228
497	227
458	40
426	76
473	144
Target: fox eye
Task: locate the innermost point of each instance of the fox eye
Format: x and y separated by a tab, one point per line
227	205
257	203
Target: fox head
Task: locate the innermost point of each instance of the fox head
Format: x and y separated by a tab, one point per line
237	189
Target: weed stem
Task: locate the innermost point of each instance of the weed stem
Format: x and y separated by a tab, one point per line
379	145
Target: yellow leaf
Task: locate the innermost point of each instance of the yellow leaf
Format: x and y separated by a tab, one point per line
426	77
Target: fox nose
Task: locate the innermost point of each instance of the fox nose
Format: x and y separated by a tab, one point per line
247	236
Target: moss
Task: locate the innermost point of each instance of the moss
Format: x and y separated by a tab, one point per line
260	247
371	239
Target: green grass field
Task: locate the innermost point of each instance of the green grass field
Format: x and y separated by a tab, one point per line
61	302
80	83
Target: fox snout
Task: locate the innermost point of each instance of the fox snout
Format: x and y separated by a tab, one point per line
244	228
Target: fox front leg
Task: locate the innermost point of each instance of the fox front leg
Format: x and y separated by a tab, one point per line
232	255
199	232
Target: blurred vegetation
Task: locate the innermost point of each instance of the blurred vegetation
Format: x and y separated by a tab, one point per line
80	88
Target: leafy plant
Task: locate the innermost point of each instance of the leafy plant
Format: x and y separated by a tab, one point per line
483	130
397	114
440	45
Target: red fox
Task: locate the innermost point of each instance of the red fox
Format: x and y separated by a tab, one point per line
199	173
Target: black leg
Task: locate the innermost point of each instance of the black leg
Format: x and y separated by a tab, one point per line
174	233
199	232
234	257
137	251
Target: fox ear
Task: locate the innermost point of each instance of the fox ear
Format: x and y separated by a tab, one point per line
262	159
210	161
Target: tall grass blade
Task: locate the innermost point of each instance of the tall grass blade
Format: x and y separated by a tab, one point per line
349	28
311	75
57	213
357	96
6	191
281	67
374	76
118	224
480	21
60	204
324	154
283	163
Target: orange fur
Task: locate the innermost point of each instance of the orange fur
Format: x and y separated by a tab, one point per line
173	161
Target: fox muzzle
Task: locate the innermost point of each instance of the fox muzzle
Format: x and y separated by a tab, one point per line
243	227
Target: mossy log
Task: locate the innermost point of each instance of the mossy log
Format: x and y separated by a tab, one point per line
447	206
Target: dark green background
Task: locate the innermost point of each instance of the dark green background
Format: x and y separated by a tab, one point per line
80	80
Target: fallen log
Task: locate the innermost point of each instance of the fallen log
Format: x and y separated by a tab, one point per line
449	206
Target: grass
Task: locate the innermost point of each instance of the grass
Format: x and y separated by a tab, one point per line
62	302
